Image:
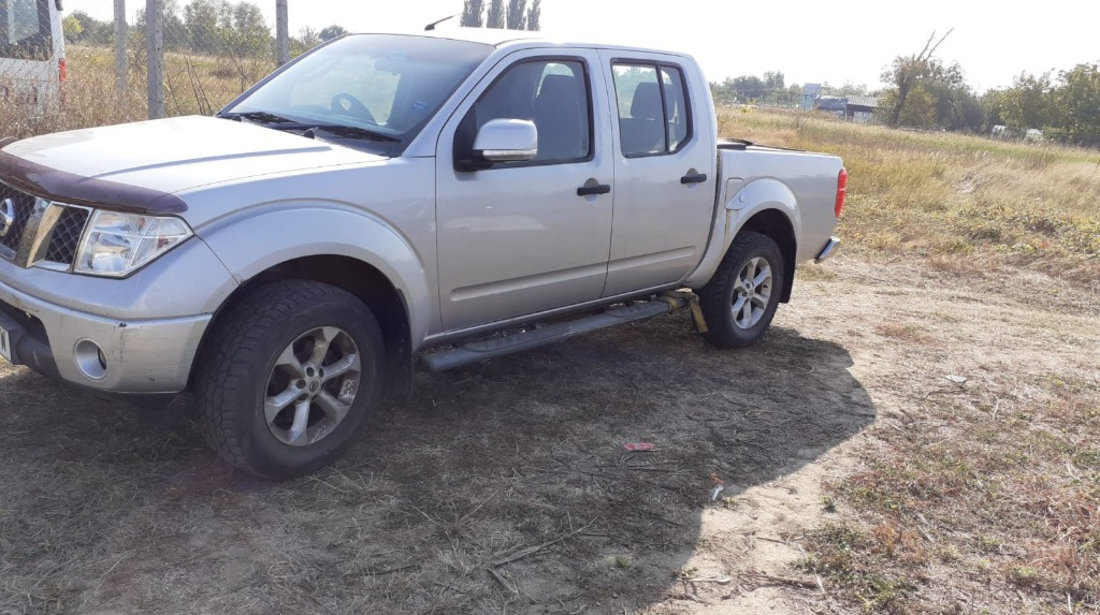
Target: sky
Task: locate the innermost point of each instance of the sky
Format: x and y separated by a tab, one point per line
808	41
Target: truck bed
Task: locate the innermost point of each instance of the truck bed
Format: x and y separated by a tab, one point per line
801	183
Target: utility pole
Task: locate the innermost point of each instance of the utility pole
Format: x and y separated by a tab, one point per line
154	39
122	69
282	33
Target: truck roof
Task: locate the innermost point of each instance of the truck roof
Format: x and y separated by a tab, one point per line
500	38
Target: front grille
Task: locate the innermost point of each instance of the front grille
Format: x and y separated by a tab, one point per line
23	206
61	241
65	237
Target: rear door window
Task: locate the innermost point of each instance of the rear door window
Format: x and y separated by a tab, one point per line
25	29
654	115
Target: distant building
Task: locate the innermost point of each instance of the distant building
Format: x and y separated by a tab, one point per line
861	108
856	108
810	92
833	104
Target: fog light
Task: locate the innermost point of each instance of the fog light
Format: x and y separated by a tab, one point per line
90	359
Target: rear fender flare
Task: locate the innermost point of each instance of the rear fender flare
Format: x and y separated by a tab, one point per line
751	199
758	196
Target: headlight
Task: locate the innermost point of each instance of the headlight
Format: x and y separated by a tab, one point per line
117	244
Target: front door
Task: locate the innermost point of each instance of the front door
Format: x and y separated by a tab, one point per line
517	238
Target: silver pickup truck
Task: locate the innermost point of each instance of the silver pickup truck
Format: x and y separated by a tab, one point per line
387	199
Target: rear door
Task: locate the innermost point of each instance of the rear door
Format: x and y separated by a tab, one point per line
31	48
664	170
517	238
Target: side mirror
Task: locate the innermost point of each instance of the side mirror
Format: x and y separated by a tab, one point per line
507	141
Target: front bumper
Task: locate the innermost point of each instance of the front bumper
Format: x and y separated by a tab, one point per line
148	326
138	356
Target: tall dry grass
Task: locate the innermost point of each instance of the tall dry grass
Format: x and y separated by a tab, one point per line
944	194
193	84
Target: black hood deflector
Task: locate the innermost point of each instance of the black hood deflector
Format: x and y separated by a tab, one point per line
46	182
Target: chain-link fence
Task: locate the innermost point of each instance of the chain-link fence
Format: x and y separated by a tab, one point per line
155	58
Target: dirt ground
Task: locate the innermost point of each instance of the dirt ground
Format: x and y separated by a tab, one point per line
505	487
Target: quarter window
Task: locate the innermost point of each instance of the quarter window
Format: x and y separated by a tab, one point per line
654	116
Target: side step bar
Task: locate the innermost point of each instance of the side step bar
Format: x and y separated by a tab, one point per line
499	346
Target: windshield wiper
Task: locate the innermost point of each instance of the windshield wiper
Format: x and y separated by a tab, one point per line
339	130
278	122
354	131
257	116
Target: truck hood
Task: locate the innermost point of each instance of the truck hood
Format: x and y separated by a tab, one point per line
145	166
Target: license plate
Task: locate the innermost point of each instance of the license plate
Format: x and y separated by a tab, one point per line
5	345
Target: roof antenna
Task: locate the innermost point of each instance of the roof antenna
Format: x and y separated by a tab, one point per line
431	26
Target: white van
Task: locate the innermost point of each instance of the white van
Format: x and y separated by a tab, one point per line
32	55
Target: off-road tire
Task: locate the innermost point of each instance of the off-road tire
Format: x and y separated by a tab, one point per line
717	299
240	355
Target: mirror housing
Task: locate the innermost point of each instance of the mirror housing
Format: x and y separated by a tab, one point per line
507	141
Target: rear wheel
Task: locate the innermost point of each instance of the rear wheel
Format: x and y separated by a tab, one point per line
288	378
740	300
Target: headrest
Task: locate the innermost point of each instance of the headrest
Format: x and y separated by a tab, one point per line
647	102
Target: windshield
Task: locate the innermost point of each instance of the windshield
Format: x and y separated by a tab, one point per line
374	91
25	29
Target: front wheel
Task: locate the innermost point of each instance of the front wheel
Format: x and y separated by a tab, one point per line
740	300
288	378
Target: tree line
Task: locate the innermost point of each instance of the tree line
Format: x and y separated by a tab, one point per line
772	90
922	91
221	27
212	27
515	15
1066	105
926	93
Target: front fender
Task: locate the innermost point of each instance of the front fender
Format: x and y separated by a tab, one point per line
252	242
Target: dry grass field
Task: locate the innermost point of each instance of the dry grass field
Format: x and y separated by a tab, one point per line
919	433
194	84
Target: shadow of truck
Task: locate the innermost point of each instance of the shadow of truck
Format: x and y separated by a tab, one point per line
516	465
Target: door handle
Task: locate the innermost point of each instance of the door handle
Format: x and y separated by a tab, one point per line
693	178
593	188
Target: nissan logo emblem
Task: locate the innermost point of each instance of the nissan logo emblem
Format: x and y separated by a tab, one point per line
7	216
